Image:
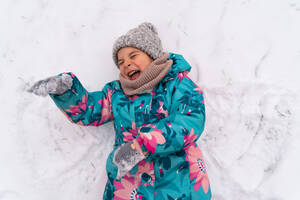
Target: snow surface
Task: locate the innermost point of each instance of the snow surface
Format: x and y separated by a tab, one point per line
245	55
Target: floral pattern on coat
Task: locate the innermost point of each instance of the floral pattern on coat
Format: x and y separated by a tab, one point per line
197	168
166	122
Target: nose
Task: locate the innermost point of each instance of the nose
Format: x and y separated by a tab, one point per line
127	63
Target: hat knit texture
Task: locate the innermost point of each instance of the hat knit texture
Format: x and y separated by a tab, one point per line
144	37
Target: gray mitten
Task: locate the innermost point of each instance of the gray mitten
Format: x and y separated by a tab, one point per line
54	85
126	157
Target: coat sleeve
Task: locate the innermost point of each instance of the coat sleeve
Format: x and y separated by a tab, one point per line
83	107
183	125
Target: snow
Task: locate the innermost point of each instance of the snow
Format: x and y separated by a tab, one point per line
245	55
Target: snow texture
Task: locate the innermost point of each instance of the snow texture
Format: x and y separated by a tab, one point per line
245	55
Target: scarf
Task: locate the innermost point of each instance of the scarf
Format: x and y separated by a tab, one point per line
149	78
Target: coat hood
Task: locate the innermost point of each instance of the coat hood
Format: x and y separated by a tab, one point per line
179	65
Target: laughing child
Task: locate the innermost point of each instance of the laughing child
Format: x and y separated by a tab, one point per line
158	114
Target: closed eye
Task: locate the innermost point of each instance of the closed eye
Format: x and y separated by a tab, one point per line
132	56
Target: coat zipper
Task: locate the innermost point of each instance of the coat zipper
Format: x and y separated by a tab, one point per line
151	102
148	107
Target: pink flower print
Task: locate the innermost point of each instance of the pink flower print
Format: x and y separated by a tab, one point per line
77	109
145	167
152	138
126	189
161	109
80	123
65	114
141	105
151	125
197	168
189	139
189	112
183	74
198	89
106	114
133	97
128	136
161	172
69	118
170	79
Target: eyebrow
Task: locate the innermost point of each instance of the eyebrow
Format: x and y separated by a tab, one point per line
135	51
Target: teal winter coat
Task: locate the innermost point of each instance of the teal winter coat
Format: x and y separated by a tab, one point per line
166	122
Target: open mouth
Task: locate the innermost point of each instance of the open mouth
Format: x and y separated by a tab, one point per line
134	74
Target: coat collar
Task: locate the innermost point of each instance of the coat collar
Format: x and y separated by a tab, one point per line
179	65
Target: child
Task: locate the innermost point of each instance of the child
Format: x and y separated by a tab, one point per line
158	114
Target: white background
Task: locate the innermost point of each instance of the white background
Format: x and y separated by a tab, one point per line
245	55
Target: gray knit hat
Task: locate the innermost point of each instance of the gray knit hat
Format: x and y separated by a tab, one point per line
143	37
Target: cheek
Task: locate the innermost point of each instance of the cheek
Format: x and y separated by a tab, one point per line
122	70
143	64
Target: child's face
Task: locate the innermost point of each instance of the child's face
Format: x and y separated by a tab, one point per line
132	62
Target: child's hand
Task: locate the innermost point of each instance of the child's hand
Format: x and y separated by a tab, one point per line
54	85
126	157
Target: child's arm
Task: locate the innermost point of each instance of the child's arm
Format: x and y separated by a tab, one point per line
182	127
83	107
